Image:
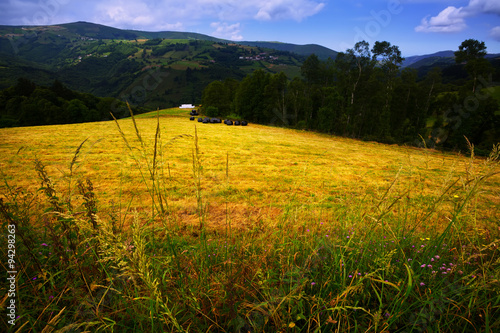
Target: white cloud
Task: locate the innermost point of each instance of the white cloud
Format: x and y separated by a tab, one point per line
484	6
153	14
449	20
287	9
227	31
495	33
452	19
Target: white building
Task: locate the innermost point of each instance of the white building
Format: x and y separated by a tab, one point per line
186	106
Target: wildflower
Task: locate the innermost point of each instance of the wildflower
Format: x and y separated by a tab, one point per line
44	244
350	276
422	284
423	265
432	259
430	266
313	283
410	259
437	257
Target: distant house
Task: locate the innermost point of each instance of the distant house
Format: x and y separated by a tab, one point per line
186	106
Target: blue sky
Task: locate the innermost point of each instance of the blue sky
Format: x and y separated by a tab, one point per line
415	26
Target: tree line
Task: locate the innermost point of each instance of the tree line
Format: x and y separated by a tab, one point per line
26	104
364	93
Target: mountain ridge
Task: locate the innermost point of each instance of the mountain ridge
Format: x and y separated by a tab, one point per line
100	31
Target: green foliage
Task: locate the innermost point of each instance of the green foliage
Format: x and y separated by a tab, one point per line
26	104
212	111
364	94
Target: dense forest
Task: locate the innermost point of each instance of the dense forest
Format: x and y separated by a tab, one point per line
365	94
26	104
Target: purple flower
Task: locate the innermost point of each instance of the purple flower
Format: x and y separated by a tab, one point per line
313	283
422	284
423	265
44	244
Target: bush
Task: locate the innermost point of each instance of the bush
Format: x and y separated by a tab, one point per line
212	111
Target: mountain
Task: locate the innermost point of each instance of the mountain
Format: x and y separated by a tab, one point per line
322	52
150	69
442	58
413	61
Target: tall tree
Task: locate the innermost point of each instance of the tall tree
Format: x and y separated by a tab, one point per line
311	70
276	92
472	52
362	59
250	99
389	58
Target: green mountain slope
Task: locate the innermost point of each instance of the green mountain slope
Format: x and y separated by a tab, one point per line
304	50
160	69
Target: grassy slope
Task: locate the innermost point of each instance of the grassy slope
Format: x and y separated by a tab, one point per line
266	164
274	194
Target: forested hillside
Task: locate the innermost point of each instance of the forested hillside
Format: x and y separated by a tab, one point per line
26	104
364	93
151	70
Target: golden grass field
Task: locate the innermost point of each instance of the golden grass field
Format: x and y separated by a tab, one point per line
214	228
249	175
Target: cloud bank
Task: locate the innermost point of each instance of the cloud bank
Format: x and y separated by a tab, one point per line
453	19
156	15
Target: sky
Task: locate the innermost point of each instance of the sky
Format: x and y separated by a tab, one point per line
417	27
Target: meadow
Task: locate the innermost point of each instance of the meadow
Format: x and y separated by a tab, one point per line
159	224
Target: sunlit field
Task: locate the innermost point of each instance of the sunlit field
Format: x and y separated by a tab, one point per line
162	224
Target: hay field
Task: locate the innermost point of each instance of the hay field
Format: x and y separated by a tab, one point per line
248	174
160	224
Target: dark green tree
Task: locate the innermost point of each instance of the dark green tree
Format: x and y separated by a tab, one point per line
389	59
276	93
250	99
216	95
472	53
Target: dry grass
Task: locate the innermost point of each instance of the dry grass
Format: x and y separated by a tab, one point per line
166	225
266	167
